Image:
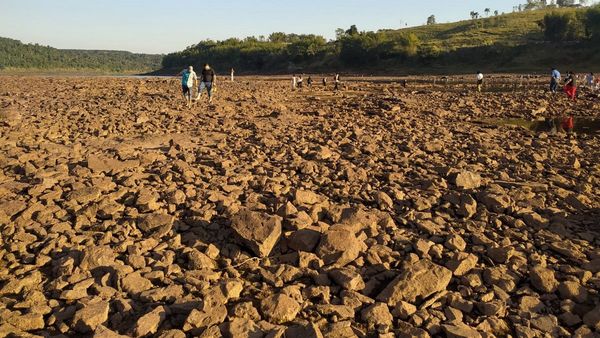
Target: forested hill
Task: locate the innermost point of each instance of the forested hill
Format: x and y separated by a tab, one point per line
15	55
527	40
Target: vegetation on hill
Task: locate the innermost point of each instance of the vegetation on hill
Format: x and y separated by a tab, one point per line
16	55
495	42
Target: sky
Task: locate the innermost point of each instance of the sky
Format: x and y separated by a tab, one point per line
161	26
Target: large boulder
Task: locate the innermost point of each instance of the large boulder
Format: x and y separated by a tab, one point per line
339	247
258	231
91	315
417	281
280	308
466	180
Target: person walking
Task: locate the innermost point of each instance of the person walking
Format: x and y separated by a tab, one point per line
232	74
336	81
479	81
188	80
294	82
208	81
300	82
309	82
324	82
554	80
589	80
571	85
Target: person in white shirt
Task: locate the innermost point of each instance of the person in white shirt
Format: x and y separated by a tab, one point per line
294	82
188	80
232	74
479	81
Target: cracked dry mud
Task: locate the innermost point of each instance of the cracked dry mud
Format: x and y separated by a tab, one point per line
378	211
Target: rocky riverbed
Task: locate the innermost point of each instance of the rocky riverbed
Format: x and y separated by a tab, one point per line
376	211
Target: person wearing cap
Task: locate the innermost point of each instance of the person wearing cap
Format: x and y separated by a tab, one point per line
188	80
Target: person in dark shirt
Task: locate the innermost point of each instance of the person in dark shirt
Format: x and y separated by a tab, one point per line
571	85
208	80
309	82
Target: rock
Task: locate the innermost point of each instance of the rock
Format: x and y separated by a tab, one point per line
545	323
417	281
543	279
98	163
134	283
303	331
12	208
10	117
16	285
455	242
198	261
85	195
461	263
467	207
404	310
573	290
347	278
306	197
97	256
383	200
460	331
304	240
531	304
149	323
500	255
241	327
147	200
377	314
259	232
206	317
467	180
27	322
155	223
339	247
91	315
279	308
172	334
592	319
167	294
104	332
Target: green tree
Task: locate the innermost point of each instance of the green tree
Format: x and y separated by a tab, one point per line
592	22
562	27
352	31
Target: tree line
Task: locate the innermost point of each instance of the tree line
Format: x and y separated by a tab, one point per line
16	55
282	51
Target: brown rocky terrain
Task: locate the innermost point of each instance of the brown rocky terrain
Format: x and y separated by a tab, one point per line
378	211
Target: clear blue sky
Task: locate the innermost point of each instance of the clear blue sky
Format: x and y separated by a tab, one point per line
161	26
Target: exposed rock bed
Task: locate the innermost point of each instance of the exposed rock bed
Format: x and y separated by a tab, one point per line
378	211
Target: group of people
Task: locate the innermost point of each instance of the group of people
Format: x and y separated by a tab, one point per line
298	82
570	83
189	81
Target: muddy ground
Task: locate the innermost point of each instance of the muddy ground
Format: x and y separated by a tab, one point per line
375	211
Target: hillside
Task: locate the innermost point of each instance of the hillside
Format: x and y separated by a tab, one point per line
510	29
509	42
15	55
